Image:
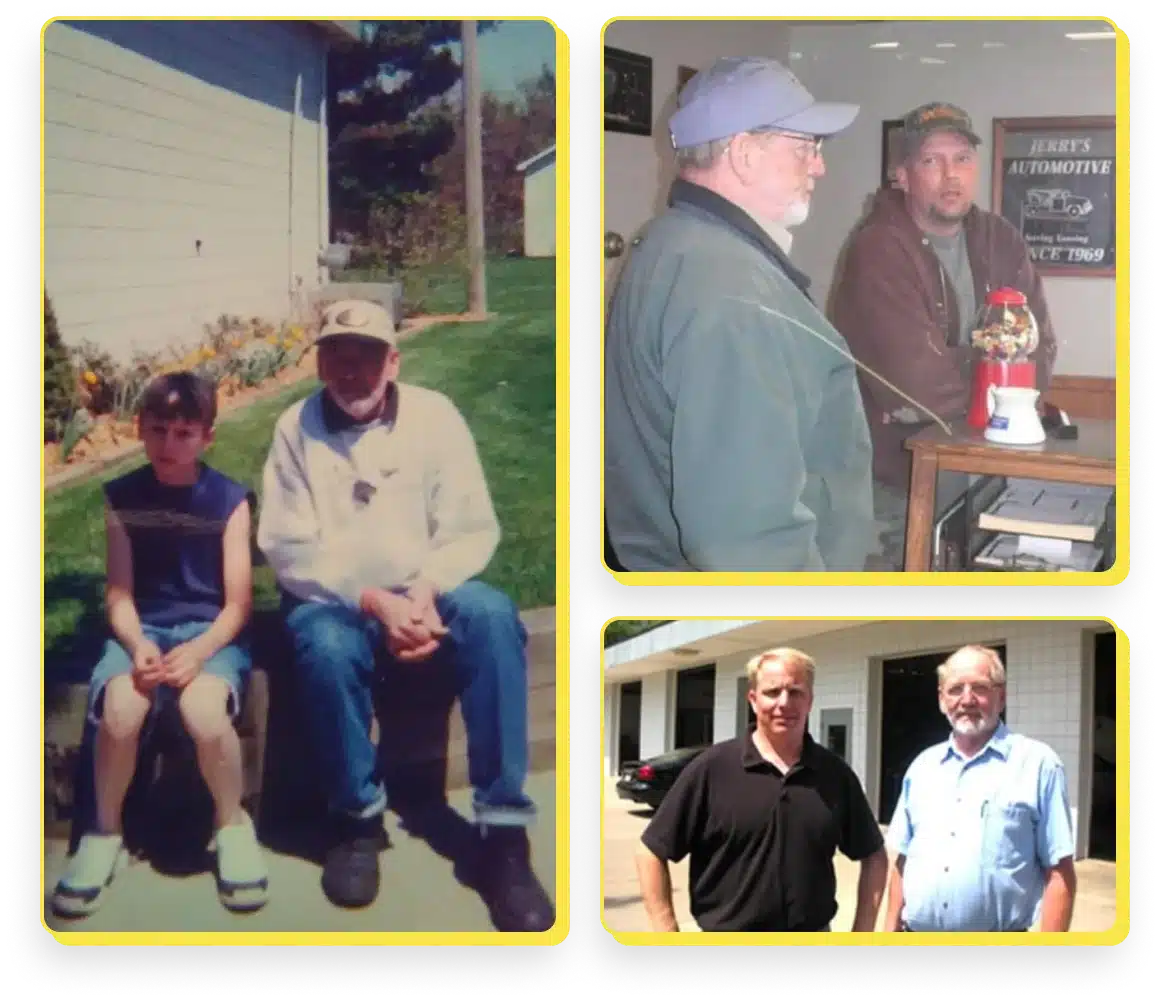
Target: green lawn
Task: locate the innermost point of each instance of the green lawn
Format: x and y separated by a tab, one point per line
502	376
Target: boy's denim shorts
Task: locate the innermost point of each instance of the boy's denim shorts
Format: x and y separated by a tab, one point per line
232	664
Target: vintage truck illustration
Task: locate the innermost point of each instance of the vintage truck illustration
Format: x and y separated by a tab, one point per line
1055	203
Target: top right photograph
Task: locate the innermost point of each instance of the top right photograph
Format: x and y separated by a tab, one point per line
865	318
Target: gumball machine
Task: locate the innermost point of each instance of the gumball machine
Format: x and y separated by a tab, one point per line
1005	336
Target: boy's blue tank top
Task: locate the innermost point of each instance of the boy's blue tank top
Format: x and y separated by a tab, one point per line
176	538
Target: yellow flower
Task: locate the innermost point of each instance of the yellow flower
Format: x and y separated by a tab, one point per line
91	378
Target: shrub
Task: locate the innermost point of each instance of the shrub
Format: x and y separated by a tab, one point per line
424	240
60	381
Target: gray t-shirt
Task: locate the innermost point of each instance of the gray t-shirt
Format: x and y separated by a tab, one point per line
952	251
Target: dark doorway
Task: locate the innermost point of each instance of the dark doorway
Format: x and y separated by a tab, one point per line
1102	839
629	746
911	719
693	720
745	715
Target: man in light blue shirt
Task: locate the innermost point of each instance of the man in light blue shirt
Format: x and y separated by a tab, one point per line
982	831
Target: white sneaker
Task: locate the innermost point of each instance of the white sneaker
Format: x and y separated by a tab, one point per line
242	876
81	889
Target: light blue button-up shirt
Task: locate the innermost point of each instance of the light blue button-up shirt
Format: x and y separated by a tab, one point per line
979	835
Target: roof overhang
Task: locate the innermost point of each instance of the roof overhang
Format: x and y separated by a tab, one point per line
695	642
531	161
339	34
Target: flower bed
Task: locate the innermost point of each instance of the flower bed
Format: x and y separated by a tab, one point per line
243	358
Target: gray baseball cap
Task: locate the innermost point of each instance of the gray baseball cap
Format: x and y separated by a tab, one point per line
737	95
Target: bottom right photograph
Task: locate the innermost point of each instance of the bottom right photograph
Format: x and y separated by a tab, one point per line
823	777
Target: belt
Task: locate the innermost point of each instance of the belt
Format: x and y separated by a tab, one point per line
1010	930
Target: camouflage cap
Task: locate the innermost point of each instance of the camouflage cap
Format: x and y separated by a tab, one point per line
936	117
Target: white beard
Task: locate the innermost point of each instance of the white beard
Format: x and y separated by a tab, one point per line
966	726
796	214
360	409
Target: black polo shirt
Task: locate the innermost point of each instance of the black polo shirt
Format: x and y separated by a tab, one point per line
761	843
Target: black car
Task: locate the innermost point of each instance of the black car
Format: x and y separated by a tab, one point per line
648	781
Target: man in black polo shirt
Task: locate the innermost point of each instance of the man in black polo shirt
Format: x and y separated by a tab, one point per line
761	816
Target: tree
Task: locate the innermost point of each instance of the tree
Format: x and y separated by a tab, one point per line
619	631
386	120
513	131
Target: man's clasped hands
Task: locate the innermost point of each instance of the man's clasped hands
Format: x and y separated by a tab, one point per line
411	621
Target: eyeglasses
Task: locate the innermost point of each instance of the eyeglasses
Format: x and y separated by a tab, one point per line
984	689
811	145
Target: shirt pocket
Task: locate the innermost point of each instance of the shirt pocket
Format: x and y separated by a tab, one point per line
1008	834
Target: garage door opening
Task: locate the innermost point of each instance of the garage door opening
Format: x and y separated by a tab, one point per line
1102	839
911	720
628	745
693	718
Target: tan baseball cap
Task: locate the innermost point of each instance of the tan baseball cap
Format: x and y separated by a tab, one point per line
359	318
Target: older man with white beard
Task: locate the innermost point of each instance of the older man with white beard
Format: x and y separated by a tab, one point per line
983	829
735	438
377	519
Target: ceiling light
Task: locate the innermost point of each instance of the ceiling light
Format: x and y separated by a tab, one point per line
686	651
993	45
931	61
1090	36
945	45
885	45
795	55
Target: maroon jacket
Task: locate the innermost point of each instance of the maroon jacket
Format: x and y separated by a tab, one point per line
896	307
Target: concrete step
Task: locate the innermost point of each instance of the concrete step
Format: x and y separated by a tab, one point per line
425	753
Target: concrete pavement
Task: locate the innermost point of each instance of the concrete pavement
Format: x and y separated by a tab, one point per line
1095	908
419	888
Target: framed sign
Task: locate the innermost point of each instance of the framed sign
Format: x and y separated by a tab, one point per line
1054	179
891	136
627	92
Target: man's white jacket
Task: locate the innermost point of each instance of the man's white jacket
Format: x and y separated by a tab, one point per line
375	506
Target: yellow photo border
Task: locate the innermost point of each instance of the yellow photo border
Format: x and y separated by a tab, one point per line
559	930
1113	936
1108	578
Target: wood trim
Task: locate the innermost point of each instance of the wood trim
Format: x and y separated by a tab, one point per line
1084	396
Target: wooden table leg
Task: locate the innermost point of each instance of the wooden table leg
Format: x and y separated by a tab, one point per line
920	511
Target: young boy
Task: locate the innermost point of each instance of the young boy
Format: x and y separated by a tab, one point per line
178	596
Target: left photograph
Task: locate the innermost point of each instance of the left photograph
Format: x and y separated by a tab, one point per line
301	302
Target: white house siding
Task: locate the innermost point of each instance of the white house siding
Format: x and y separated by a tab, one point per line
1045	679
540	205
158	134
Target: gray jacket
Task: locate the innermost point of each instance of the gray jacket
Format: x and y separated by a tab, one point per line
734	438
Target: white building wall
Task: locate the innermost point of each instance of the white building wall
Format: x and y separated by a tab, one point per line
655	728
611	726
540	209
158	135
1045	687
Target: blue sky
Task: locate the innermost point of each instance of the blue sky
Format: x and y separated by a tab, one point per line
513	51
510	53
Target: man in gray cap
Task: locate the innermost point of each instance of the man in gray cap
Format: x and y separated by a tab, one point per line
916	271
735	438
377	521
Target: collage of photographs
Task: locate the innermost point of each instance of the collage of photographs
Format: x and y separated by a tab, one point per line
311	597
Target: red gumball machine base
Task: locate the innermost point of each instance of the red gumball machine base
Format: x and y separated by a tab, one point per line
1020	374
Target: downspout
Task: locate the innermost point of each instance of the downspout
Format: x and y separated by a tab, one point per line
292	284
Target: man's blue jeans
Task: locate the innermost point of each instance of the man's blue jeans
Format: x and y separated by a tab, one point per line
337	652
